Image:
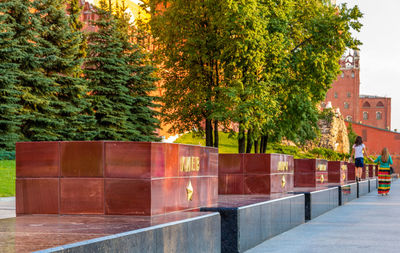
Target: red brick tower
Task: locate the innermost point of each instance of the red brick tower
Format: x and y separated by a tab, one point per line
345	91
345	94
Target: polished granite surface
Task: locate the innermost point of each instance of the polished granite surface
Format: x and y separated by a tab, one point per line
235	201
114	178
37	232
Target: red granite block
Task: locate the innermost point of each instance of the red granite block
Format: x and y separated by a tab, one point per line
257	163
281	183
37	196
81	196
158	196
305	179
337	172
257	184
310	172
351	171
213	158
171	157
231	184
128	196
37	159
82	158
127	159
230	163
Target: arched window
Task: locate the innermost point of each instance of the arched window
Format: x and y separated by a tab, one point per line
352	74
365	115
346	105
342	74
348	94
336	95
349	118
378	115
366	105
380	104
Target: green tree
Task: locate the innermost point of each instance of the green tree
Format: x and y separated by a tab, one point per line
38	90
63	43
120	80
9	74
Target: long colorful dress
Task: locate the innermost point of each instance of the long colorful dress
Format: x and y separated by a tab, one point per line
384	177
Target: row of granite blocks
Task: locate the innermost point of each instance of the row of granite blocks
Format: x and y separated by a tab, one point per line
139	178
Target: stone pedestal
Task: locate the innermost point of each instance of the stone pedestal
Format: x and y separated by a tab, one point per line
310	172
351	171
103	177
255	173
337	172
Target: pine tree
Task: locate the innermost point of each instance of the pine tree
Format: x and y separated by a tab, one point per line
106	70
64	43
38	91
9	96
119	80
141	81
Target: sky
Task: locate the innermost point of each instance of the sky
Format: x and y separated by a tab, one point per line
380	52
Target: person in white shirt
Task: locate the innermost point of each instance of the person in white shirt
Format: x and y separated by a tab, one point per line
358	152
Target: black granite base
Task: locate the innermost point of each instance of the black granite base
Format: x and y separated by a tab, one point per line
319	201
373	184
362	188
243	227
347	193
200	234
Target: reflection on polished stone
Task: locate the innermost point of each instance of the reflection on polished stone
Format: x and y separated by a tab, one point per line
111	177
255	173
28	233
337	172
310	172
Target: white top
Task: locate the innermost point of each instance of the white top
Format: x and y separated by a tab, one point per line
359	150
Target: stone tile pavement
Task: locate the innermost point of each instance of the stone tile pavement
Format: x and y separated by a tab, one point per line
7	207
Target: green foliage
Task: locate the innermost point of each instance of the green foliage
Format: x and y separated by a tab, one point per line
7	155
9	74
120	80
352	136
263	65
228	144
7	178
64	42
327	115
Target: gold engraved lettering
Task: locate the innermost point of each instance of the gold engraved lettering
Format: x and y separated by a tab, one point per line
189	191
322	179
283	166
321	167
344	167
283	182
189	164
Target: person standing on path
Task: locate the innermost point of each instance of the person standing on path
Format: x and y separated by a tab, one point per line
384	178
358	152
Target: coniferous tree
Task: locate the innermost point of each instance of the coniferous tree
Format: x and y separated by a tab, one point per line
64	44
119	80
107	73
141	81
38	90
9	96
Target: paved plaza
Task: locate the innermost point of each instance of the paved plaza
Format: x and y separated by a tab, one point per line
368	224
7	207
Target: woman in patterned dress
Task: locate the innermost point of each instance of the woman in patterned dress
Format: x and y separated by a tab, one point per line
384	178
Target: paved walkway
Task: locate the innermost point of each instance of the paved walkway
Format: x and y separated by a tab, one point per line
7	207
368	224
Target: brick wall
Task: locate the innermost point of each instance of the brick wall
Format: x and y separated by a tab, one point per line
376	139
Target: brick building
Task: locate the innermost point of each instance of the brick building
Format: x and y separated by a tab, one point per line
345	94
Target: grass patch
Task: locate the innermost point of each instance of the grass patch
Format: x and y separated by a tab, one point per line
7	178
226	144
230	145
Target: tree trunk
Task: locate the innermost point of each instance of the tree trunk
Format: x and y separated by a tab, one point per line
256	150
209	133
261	143
264	144
241	139
216	136
249	141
